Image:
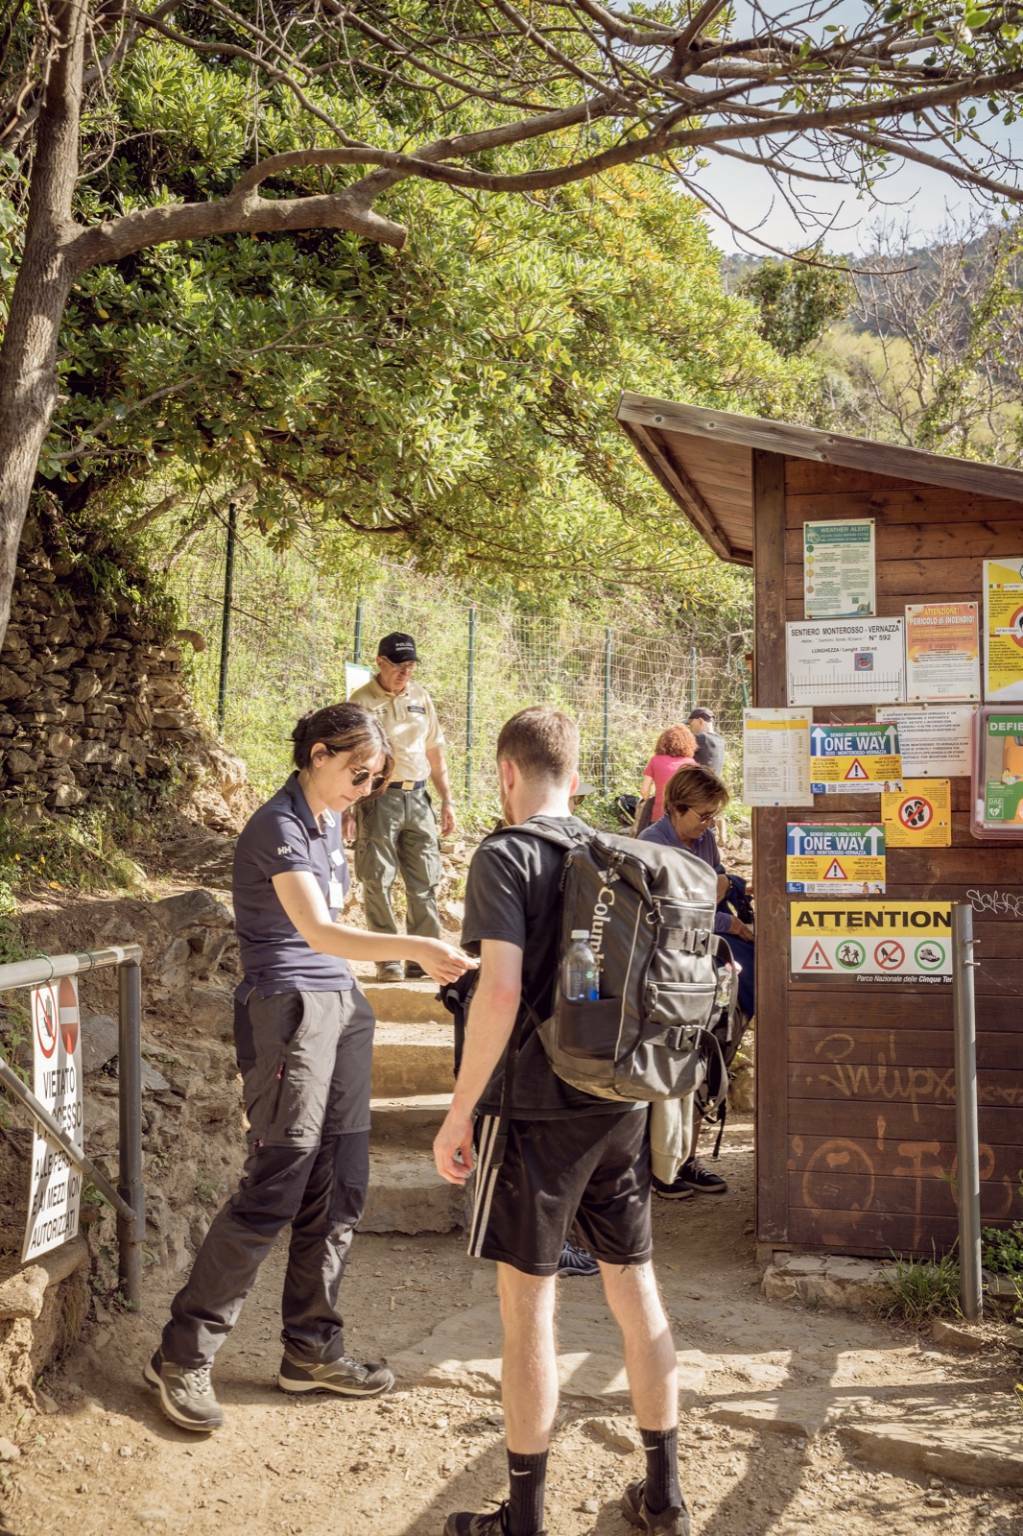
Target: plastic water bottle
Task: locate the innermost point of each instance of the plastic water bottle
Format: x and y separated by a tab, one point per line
580	978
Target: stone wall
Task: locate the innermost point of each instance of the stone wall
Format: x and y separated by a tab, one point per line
93	697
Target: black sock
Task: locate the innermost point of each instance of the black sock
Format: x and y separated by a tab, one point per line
527	1476
662	1485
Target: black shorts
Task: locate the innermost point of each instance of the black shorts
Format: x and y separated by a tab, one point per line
593	1170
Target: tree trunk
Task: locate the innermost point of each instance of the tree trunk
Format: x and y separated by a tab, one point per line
28	356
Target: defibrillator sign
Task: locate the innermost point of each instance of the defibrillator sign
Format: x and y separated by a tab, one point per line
823	859
886	942
854	759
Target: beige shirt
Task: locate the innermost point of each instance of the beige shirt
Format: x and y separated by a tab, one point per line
410	723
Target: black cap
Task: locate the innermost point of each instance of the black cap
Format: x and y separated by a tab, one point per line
701	714
398	648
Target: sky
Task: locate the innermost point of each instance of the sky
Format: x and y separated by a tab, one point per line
913	195
920	198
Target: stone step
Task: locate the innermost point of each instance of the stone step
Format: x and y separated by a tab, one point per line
406	1194
412	1059
405	1002
411	1120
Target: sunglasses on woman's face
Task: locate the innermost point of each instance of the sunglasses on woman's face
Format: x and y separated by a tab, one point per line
706	817
361	775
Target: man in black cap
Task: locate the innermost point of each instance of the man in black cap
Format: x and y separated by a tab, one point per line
397	832
710	747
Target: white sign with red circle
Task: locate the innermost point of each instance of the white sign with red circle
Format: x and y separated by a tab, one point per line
55	1186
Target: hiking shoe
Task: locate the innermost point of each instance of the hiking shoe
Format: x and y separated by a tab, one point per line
390	970
186	1394
346	1376
414	972
577	1261
693	1175
495	1523
675	1191
674	1519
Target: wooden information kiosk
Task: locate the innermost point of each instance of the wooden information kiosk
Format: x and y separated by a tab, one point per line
855	1133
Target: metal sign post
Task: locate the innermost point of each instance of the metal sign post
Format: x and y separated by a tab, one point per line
967	1136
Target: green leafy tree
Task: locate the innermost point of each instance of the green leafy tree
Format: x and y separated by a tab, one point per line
337	107
798	300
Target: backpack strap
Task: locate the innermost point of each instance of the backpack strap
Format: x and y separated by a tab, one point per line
566	842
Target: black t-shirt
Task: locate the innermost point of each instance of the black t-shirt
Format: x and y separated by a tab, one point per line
710	751
514	893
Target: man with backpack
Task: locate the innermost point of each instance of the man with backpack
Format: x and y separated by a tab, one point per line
562	1153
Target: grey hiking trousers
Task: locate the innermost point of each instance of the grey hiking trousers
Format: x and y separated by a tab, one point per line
397	833
305	1062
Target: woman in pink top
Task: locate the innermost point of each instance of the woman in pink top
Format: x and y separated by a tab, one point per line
675	749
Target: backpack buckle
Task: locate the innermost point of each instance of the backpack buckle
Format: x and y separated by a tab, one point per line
692	941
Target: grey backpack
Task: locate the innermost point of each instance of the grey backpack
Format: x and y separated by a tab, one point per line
655	1032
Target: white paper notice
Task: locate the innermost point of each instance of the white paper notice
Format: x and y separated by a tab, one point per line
838	569
935	742
846	661
776	757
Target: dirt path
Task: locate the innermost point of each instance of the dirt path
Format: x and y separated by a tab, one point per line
103	1462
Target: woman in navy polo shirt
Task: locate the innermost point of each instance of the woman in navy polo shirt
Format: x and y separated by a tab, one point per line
304	1038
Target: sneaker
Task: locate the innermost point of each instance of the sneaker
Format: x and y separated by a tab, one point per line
693	1175
390	970
414	972
676	1191
577	1261
186	1394
674	1519
346	1376
495	1523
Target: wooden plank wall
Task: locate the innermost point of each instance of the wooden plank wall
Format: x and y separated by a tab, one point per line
856	1118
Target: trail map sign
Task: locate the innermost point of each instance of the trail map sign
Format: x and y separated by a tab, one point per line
884	942
822	859
854	759
55	1189
838	569
845	661
919	815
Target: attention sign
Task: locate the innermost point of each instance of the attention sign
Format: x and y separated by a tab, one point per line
885	942
854	759
822	859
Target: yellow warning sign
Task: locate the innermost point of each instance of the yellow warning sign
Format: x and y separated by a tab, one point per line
854	759
885	942
919	815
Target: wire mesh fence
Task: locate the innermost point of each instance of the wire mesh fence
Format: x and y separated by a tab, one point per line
292	629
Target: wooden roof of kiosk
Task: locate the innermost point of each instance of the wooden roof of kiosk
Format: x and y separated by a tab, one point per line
855	1134
704	460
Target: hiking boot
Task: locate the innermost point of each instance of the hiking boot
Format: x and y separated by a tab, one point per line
577	1261
186	1394
674	1519
693	1175
675	1191
390	970
346	1376
414	972
495	1523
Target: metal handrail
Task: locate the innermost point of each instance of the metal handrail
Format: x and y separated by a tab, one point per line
128	1200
